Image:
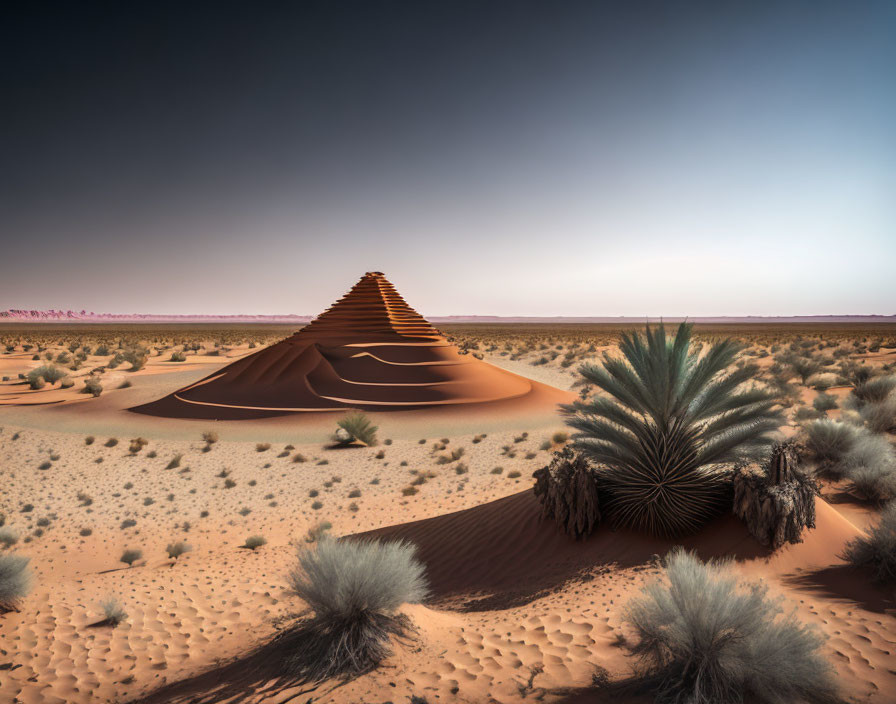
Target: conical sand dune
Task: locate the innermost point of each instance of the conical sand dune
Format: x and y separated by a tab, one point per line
369	350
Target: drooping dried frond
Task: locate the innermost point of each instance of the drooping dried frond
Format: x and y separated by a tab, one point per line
672	419
567	490
775	499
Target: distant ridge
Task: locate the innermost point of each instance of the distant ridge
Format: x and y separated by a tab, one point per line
63	316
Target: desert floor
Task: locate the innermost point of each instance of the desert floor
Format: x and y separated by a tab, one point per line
518	612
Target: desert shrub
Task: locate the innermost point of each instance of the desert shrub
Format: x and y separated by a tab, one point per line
175	462
828	441
880	416
317	531
354	589
50	373
89	440
111	442
137	444
175	550
299	457
358	427
15	581
824	402
8	537
210	437
229	483
92	386
874	483
86	532
707	639
877	550
36	383
113	611
262	447
873	389
178	357
254	541
673	418
568	492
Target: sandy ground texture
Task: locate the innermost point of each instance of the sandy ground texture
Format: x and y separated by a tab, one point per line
518	613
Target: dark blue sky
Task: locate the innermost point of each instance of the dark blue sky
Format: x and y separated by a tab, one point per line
508	158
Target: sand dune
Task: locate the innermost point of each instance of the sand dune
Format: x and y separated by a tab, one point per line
369	350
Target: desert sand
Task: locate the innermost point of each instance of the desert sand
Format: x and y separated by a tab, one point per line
518	611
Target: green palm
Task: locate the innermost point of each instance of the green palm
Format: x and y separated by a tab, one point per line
673	417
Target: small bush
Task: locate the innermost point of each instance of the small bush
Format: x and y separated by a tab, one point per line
254	541
15	581
358	427
93	386
111	442
175	550
210	437
871	390
8	537
828	441
263	447
113	611
299	457
707	639
89	440
824	402
175	462
178	357
48	372
354	589
880	416
317	531
877	550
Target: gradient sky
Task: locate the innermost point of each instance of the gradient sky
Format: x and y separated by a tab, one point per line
510	158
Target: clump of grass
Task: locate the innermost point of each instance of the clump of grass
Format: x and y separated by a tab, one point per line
111	442
705	638
824	402
210	437
177	357
254	541
229	483
409	491
299	457
15	581
828	441
93	386
48	373
354	589
358	427
175	550
8	537
453	456
560	437
316	505
89	440
113	611
877	550
317	531
137	444
262	447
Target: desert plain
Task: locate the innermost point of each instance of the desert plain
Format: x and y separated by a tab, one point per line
516	612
